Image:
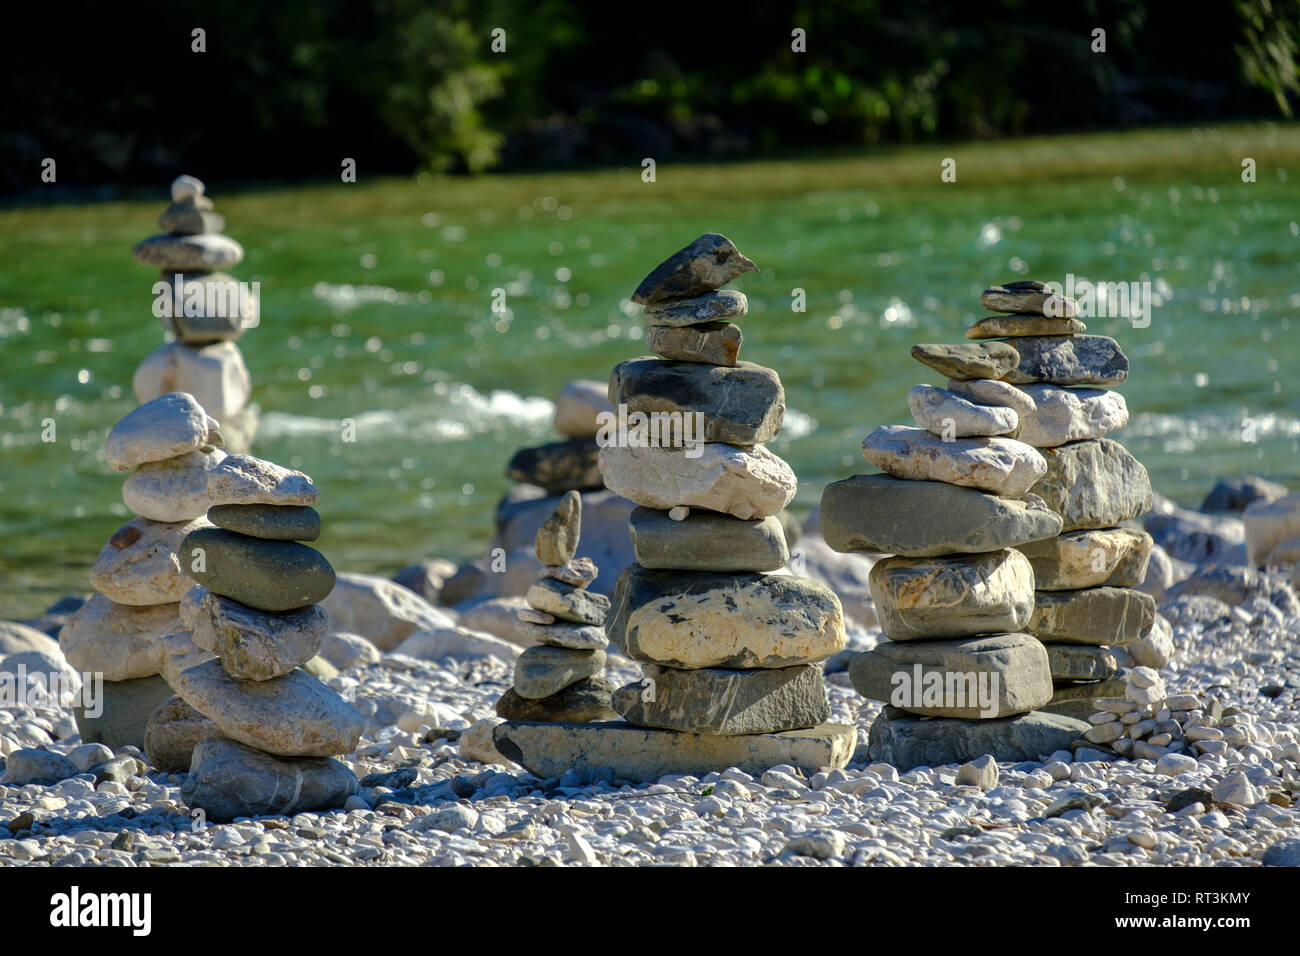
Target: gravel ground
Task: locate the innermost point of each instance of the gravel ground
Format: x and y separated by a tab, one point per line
438	809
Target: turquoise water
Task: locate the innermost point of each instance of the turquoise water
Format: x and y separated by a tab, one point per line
376	306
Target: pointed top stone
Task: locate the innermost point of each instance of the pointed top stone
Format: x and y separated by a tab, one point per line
557	538
707	263
184	187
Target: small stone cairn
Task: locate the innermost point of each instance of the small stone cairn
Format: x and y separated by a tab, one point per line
271	725
209	311
731	654
169	445
1086	609
559	678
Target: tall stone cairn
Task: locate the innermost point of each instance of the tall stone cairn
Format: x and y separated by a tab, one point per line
731	654
209	309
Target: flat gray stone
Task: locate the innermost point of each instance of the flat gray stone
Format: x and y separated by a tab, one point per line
743	482
558	467
974	677
1004	326
946	413
969	359
718	701
707	263
708	541
174	730
254	645
690	619
266	575
1116	616
124	712
741	405
544	670
715	343
209	252
582	702
1107	557
568	603
907	741
1074	698
191	217
1068	360
1028	297
167	427
1094	484
274	522
953	596
577	637
1081	662
294	715
1238	493
644	754
1001	466
557	538
706	309
884	515
229	780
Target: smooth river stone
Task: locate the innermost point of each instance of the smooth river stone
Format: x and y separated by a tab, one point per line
743	482
167	427
126	708
878	514
567	603
740	405
292	716
557	539
1075	698
975	677
1028	297
209	307
707	263
717	701
254	645
957	596
1002	326
174	730
716	343
208	252
273	522
1064	415
1094	484
579	406
215	375
228	780
139	565
578	637
1068	360
1115	616
907	740
265	575
585	701
947	413
1110	557
1272	529
245	480
644	754
1081	662
117	640
558	467
1002	466
175	490
969	359
186	187
191	217
543	670
707	309
708	541
990	391
691	619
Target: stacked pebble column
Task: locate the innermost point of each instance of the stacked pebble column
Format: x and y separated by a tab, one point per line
959	674
274	725
731	654
138	576
1087	612
209	310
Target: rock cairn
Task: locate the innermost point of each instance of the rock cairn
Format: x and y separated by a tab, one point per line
170	445
209	310
560	677
731	654
960	674
1087	611
273	726
571	463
